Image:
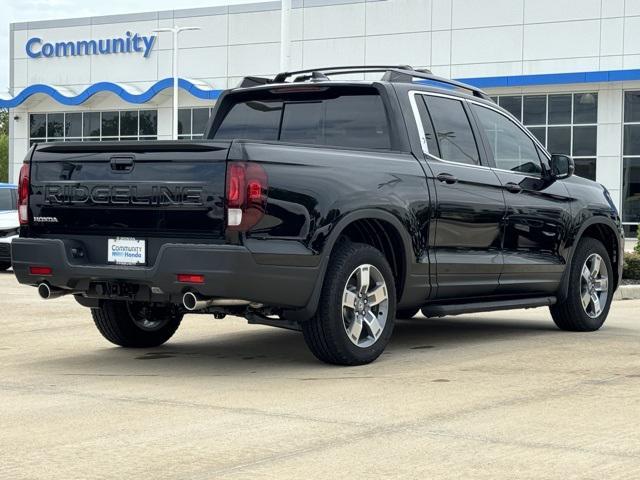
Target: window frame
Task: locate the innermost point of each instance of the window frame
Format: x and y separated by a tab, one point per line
422	136
486	160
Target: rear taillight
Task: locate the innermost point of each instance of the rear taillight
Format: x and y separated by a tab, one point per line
246	195
23	195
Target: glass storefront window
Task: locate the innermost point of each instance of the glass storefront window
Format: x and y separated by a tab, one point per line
38	125
585	167
73	125
200	119
93	126
148	123
631	190
559	109
184	121
585	108
129	123
512	104
584	141
631	158
192	122
534	110
55	125
559	140
110	124
563	122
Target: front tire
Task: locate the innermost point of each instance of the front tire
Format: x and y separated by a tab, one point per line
590	289
357	307
136	324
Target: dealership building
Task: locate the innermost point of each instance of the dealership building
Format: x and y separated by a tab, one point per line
569	69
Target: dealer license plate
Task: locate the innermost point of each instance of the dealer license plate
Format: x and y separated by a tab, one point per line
127	251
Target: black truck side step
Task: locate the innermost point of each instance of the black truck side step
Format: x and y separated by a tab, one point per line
441	310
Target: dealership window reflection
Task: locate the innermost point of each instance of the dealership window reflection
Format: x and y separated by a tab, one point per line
192	122
93	126
631	159
563	122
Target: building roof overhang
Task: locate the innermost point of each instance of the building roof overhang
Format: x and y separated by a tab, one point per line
128	93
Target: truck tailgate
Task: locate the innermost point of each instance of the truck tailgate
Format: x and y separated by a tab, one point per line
156	190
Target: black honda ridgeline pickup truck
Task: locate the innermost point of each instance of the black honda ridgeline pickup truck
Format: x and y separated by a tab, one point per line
322	205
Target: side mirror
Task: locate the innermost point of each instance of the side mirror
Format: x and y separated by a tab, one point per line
562	166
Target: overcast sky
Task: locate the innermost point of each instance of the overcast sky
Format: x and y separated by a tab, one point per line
32	10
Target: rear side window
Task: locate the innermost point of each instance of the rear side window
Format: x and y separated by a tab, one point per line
7	201
352	121
453	130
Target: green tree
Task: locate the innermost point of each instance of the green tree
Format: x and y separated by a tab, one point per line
4	121
4	158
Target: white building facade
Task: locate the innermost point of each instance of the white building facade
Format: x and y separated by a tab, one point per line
569	69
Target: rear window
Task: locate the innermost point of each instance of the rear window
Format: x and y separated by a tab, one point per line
352	121
7	200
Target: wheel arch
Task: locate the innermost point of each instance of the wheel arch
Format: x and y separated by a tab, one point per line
607	232
361	226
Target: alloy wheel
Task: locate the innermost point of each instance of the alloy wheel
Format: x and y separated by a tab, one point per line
594	285
365	306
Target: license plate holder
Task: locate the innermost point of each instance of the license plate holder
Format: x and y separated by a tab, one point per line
126	251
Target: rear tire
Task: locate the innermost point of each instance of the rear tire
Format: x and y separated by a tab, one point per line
136	324
357	306
579	312
4	266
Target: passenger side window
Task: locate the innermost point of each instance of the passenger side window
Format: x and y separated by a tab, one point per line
512	149
453	130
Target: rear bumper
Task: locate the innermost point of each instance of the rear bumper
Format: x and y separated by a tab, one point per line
230	272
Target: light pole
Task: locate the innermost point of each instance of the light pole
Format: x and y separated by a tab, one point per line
175	31
285	35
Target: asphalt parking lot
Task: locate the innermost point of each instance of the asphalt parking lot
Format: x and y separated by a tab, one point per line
500	395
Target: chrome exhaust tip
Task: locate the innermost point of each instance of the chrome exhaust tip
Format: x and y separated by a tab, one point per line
193	302
47	292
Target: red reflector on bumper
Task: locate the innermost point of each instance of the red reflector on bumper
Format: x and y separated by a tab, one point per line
41	271
190	278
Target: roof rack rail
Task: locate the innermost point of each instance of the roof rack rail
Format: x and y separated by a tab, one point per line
399	75
282	77
392	73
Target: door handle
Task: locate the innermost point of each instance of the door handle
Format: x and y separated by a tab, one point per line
512	187
446	177
122	164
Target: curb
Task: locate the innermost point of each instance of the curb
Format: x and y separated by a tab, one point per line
627	292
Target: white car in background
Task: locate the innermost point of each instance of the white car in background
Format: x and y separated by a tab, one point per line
9	224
